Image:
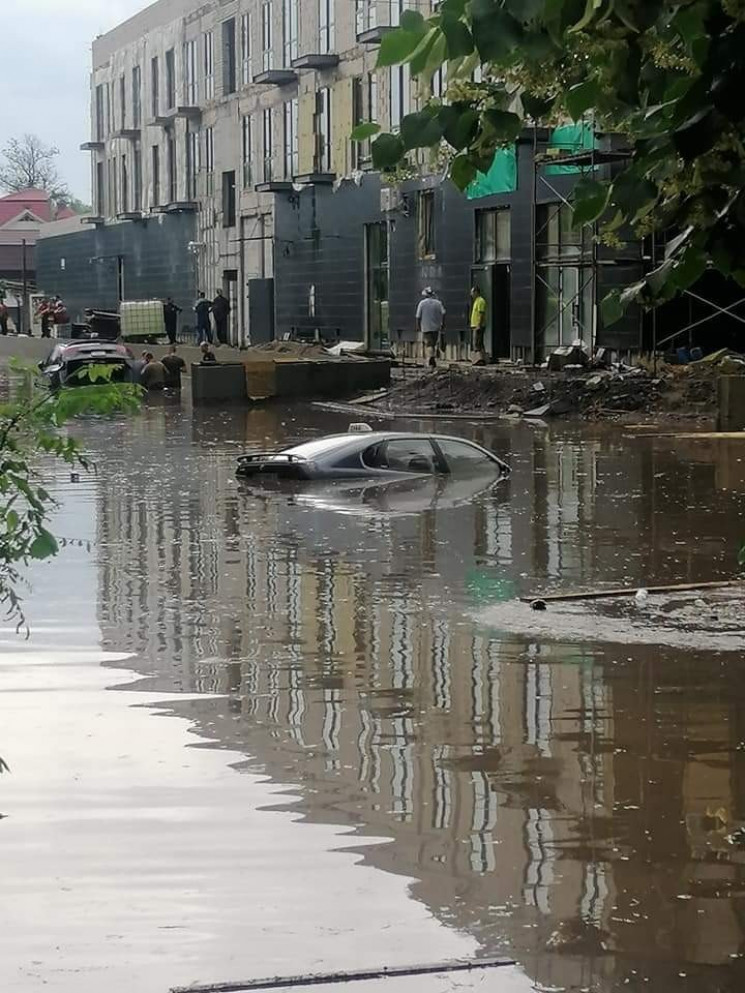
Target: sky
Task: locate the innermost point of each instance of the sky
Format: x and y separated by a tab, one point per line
45	77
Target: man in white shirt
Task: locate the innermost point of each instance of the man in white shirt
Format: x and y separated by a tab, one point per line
430	323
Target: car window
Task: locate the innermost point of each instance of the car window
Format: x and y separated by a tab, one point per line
403	455
462	457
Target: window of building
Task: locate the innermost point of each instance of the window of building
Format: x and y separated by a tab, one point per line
136	97
364	108
247	151
122	102
154	87
289	31
400	95
268	144
137	180
291	139
170	79
155	170
101	189
267	55
245	49
377	279
113	186
209	161
100	113
365	15
323	130
192	164
493	235
172	169
326	25
124	196
191	97
425	224
109	113
208	60
228	199
228	56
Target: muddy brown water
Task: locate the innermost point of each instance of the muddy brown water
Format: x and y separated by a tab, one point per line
265	732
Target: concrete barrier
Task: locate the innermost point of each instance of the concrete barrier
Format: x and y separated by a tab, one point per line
218	381
731	396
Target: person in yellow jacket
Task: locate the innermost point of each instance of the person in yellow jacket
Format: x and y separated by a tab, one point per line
478	325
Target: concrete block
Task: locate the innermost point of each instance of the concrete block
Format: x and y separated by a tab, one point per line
218	381
731	395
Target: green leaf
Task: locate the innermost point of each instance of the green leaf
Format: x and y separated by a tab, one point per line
459	39
612	309
420	130
536	107
591	9
505	125
396	47
43	546
11	520
496	34
689	269
459	124
364	131
462	171
387	151
412	20
422	54
526	11
581	98
590	200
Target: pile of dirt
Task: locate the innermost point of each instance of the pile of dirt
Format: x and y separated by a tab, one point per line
684	392
272	350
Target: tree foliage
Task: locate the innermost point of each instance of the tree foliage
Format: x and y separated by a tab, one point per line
32	431
28	163
667	74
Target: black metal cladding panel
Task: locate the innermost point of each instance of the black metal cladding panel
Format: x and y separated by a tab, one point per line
156	264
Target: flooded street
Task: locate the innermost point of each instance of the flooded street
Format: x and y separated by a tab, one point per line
256	732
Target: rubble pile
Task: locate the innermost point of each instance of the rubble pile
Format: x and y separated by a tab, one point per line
683	391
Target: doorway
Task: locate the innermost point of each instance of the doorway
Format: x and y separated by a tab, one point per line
230	292
495	281
376	286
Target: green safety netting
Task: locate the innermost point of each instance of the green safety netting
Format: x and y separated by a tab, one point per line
570	138
501	178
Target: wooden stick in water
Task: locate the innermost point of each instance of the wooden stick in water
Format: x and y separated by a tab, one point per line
630	591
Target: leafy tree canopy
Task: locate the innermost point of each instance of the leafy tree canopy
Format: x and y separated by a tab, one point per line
668	74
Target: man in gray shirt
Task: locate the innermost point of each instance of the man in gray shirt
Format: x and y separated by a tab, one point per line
430	323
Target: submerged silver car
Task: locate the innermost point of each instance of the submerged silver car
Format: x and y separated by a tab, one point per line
373	455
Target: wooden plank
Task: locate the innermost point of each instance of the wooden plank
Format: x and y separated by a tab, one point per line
356	976
631	591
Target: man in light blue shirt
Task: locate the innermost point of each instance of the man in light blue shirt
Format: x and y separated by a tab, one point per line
430	323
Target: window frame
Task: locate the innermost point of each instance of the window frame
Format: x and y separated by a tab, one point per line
267	49
247	148
229	56
229	199
290	31
170	79
155	86
208	64
136	96
245	49
425	225
191	77
291	144
267	144
488	231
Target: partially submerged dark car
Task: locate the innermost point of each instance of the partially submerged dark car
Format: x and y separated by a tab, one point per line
373	455
67	363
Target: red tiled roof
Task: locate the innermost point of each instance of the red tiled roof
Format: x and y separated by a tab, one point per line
37	202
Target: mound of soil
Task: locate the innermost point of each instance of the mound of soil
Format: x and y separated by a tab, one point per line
682	392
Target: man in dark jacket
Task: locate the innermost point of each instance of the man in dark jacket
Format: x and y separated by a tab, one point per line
170	316
220	311
202	309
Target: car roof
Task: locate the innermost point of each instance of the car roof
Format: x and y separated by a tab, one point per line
94	346
363	439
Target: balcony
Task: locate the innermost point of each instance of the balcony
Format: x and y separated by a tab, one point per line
319	62
130	215
274	186
276	77
94	220
93	146
130	134
315	179
374	36
180	207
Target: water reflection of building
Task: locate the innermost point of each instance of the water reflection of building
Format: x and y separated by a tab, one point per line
542	797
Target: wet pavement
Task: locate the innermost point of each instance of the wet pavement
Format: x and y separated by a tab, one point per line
258	733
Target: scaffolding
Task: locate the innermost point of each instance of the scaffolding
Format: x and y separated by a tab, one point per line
568	264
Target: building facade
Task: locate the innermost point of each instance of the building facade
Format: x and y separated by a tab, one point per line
222	159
